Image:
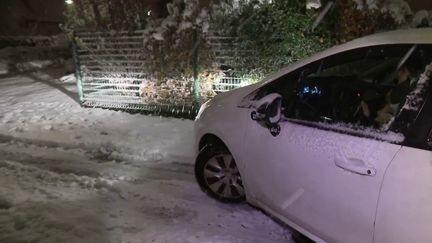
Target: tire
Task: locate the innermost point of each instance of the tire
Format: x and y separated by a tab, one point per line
218	176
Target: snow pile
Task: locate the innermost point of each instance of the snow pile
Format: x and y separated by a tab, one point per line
313	4
70	78
3	67
4	60
71	174
33	65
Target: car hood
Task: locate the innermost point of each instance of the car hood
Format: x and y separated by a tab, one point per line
236	96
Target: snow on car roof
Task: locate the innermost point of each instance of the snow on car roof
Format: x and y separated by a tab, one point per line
406	36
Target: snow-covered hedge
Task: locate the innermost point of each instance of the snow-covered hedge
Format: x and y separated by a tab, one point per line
357	18
399	10
170	44
275	34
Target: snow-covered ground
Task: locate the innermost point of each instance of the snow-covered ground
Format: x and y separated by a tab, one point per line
71	174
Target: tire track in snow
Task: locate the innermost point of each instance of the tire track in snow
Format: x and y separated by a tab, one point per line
98	153
80	162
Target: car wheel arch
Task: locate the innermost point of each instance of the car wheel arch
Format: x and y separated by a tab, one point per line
210	139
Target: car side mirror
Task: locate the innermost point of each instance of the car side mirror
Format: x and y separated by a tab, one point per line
267	112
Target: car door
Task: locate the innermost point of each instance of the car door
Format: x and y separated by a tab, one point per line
322	174
309	175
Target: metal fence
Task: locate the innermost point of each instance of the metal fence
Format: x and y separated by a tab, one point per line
227	83
111	70
225	50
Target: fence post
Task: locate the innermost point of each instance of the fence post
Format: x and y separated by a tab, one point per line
77	67
195	63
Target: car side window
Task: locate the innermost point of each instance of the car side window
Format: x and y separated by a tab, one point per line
349	87
360	88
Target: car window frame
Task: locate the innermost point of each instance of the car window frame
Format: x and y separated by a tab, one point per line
380	134
423	114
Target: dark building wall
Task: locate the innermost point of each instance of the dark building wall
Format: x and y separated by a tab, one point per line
31	17
42	17
420	4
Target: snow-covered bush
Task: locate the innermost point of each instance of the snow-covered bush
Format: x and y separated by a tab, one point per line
398	9
357	18
277	31
170	44
422	18
106	15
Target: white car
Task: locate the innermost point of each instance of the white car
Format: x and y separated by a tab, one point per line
338	146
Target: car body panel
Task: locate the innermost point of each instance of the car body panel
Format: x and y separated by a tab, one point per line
230	129
336	204
405	207
285	220
223	105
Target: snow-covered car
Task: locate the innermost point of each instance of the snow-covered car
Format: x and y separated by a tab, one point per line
337	146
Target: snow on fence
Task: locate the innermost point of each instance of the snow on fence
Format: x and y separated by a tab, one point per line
111	73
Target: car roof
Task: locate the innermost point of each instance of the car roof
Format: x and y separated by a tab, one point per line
406	36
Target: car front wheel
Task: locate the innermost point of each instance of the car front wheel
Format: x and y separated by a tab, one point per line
218	175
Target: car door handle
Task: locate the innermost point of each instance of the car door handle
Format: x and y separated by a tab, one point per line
355	165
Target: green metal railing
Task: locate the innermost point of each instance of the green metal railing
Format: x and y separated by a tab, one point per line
111	71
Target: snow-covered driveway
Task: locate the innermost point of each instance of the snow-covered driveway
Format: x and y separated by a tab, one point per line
70	174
